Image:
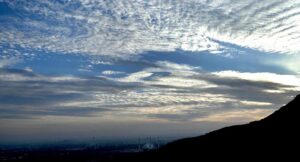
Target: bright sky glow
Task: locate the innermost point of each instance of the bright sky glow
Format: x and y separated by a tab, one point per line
156	67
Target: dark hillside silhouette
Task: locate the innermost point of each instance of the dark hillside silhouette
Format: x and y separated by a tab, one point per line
276	136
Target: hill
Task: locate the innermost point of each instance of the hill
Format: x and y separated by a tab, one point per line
276	136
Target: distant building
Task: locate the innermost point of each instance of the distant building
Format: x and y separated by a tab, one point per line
149	146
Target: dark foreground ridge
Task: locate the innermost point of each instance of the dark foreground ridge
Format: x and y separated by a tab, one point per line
276	136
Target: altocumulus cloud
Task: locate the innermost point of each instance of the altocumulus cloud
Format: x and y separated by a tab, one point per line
125	28
182	93
136	69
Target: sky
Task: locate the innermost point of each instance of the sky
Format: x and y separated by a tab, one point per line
135	68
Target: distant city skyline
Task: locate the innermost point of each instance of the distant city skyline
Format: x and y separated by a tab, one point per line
132	68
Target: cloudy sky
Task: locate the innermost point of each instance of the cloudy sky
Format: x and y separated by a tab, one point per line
137	68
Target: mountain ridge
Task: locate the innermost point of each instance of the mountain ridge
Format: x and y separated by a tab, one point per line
275	136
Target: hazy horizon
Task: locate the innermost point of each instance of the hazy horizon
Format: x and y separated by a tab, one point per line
134	69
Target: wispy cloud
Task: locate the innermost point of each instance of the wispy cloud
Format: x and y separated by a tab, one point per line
290	80
8	62
86	61
125	28
165	93
110	72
